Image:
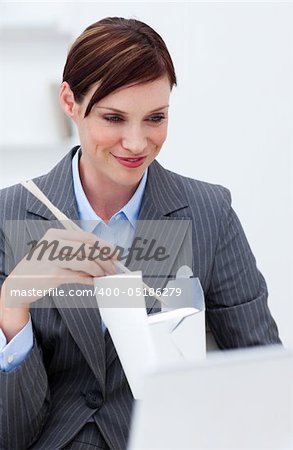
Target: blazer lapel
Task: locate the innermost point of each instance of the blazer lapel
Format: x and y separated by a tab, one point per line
84	323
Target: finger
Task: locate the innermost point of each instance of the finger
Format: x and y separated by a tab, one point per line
88	267
72	250
77	277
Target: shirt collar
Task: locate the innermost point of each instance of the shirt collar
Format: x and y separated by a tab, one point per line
87	215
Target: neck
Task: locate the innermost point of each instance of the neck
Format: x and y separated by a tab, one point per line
105	196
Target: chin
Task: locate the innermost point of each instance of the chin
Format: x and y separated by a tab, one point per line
129	179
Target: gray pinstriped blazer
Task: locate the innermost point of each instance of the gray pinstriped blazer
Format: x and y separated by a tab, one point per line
44	403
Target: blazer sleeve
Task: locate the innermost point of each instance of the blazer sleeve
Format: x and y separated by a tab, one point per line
24	393
24	402
236	301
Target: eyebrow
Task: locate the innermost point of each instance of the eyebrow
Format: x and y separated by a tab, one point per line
123	112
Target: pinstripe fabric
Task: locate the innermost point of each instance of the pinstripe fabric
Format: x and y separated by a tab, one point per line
88	438
43	403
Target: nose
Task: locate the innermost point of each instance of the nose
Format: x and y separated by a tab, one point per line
134	140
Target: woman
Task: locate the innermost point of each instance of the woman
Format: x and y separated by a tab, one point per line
61	383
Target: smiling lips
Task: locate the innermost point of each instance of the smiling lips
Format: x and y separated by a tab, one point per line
131	162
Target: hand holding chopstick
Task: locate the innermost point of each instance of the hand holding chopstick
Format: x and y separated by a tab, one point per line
70	225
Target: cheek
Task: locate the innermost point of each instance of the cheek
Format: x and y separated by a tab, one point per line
159	136
105	136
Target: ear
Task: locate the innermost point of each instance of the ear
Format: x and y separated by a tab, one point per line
67	101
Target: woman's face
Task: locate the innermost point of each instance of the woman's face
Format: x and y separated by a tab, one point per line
124	132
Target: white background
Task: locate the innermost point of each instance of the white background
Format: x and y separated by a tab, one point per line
230	119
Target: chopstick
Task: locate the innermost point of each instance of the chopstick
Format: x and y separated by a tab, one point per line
70	225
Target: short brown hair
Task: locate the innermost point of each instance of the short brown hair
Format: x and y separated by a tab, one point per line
117	52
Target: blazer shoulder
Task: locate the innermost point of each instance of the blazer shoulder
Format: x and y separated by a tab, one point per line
14	199
12	202
201	192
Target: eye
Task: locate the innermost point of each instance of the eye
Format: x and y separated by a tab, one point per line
113	119
158	118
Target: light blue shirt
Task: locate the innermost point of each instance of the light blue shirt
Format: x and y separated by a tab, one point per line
115	232
13	353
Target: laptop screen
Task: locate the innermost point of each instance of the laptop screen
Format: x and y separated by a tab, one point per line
239	399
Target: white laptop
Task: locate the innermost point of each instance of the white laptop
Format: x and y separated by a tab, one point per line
240	399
